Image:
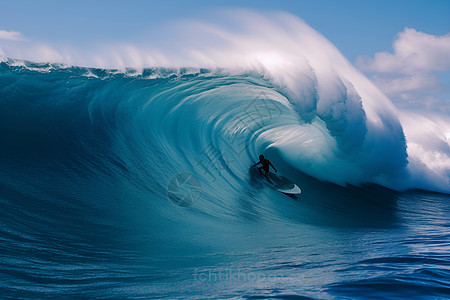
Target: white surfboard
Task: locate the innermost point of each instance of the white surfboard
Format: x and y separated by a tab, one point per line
282	184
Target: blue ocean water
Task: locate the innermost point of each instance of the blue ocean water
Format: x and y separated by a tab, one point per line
125	184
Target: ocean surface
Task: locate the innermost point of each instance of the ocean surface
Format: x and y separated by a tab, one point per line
138	184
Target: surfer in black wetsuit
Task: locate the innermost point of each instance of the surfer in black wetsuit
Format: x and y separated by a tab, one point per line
265	166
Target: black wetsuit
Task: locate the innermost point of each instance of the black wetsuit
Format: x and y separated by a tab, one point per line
265	165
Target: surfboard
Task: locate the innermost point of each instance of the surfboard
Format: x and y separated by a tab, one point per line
282	184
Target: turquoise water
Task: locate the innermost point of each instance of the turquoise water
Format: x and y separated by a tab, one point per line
116	184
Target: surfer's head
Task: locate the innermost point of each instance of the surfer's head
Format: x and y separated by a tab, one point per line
261	157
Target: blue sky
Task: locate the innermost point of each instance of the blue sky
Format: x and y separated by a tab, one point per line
371	34
355	26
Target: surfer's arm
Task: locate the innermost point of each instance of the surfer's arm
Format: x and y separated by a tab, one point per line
272	166
257	164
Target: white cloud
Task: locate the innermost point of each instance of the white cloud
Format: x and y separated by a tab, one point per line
408	75
413	51
11	35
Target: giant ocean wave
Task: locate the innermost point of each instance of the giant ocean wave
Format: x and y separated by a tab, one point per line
324	119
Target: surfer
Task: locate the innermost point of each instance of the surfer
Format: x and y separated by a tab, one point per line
265	166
